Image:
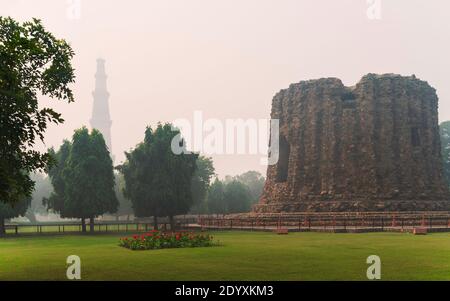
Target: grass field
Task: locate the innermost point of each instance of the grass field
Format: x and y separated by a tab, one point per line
241	256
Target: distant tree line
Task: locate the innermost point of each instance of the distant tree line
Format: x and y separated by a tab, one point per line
233	194
444	130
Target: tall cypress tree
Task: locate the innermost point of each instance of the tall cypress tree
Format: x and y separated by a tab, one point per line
85	179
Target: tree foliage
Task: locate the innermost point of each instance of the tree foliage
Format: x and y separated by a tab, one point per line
201	182
444	129
83	179
255	183
237	196
8	210
56	200
216	198
158	181
32	62
229	197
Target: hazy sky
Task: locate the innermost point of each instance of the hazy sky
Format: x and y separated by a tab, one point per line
227	58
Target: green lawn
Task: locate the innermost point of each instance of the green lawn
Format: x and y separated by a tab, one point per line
241	256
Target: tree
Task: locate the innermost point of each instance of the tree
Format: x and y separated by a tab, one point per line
200	183
180	172
237	197
138	175
444	129
229	196
255	183
8	210
87	187
157	180
32	62
56	200
216	198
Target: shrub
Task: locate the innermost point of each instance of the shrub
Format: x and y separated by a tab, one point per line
162	240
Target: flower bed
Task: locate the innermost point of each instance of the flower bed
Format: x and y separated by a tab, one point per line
162	240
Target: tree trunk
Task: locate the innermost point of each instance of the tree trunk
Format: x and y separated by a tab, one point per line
128	218
91	224
155	222
172	223
2	226
83	225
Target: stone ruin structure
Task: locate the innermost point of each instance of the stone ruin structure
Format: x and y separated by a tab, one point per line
371	147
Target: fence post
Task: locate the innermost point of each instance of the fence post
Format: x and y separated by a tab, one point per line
17	229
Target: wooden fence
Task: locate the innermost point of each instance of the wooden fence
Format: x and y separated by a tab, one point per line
329	222
99	227
333	222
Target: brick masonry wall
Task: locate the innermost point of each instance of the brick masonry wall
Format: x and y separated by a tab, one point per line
371	147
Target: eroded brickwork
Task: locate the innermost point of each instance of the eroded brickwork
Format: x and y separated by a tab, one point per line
371	147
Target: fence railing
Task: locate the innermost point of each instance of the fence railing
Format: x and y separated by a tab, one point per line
329	222
339	222
99	226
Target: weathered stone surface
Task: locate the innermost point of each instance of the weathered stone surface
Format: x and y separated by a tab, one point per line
371	147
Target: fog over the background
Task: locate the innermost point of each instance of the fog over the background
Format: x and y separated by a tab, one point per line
227	58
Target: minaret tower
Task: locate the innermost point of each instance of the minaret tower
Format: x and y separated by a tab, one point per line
101	120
